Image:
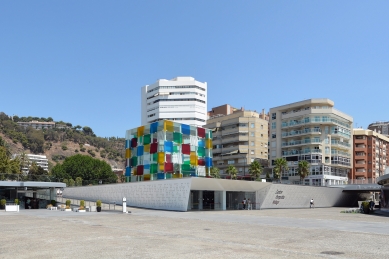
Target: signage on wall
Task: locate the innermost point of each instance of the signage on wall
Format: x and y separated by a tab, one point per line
278	197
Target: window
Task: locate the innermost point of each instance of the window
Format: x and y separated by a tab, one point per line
261	126
273	125
273	116
231	162
252	143
273	153
273	135
252	134
252	125
252	160
252	152
273	144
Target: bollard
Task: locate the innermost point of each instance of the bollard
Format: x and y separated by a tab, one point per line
124	205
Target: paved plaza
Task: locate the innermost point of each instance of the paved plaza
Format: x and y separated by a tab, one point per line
292	233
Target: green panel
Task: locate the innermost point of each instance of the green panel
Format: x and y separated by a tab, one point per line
201	151
177	137
153	168
208	135
168	176
175	149
185	168
146	139
154	157
140	140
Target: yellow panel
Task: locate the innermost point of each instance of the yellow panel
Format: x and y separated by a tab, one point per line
177	175
146	148
193	158
168	126
208	143
161	157
128	153
141	131
146	177
162	167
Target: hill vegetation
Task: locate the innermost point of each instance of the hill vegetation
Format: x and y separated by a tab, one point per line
63	141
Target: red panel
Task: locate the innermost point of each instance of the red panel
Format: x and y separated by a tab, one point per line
201	162
168	158
186	149
134	142
168	167
201	132
139	170
153	148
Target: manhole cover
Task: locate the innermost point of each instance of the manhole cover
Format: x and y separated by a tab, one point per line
332	253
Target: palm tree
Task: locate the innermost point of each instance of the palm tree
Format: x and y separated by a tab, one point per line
303	170
215	172
255	169
280	165
231	170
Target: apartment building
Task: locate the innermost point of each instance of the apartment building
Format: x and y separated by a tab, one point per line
37	124
370	155
239	138
312	130
40	160
181	99
381	127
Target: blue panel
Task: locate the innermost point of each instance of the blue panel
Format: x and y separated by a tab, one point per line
193	174
128	141
169	146
147	166
160	176
201	143
128	171
185	129
208	162
140	151
154	127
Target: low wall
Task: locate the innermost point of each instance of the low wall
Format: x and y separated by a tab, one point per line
164	195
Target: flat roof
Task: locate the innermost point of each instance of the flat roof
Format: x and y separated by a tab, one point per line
32	184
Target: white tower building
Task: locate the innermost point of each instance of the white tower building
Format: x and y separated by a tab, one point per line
181	99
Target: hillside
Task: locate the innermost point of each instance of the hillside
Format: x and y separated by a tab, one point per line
59	143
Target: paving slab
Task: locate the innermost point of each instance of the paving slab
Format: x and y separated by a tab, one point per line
292	233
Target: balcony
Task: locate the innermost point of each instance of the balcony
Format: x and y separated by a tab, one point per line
340	153
300	152
360	146
360	162
300	132
340	144
300	142
360	171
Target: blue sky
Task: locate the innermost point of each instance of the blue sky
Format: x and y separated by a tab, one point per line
84	62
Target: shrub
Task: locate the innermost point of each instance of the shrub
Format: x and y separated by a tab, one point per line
64	147
82	203
49	206
53	202
91	153
67	203
17	201
3	202
98	203
76	150
82	149
78	181
71	182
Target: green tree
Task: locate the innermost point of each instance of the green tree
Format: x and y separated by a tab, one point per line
215	172
71	182
231	170
280	166
255	169
8	165
78	181
87	131
89	169
303	170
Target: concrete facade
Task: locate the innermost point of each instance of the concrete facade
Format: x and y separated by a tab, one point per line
239	138
314	131
177	194
181	99
370	155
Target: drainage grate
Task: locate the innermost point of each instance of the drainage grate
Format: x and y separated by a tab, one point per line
332	253
207	229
